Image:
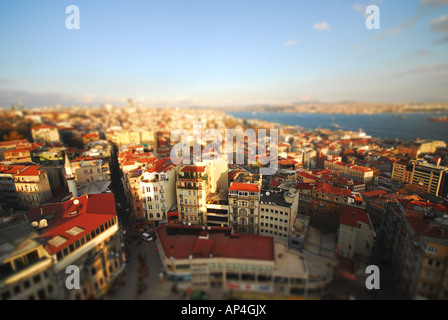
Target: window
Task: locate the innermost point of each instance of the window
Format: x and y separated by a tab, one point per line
36	278
432	250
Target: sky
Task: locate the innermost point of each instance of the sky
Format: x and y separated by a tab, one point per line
222	52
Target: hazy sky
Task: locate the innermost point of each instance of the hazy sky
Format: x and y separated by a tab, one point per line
222	52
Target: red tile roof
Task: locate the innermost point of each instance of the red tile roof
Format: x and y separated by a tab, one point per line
328	188
93	211
193	169
350	216
11	169
307	175
181	242
31	171
43	126
238	186
427	227
374	193
161	165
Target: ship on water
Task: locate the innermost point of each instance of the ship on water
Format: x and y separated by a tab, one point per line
439	119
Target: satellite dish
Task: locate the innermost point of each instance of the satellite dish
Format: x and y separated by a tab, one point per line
43	223
267	193
34	224
76	201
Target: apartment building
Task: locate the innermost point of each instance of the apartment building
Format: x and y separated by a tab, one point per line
192	187
158	190
402	171
418	250
18	155
323	203
25	265
430	178
244	203
351	171
13	144
415	148
8	192
217	205
356	233
278	211
122	137
194	183
45	133
202	258
81	232
90	169
32	186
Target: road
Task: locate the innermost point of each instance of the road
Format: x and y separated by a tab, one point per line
141	278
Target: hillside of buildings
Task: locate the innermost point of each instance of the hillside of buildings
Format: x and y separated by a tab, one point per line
80	186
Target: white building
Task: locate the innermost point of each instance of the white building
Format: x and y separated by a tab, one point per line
158	190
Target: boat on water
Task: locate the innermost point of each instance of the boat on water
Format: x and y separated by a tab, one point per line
439	119
401	116
335	125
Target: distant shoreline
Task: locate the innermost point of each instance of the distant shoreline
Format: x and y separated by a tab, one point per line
348	108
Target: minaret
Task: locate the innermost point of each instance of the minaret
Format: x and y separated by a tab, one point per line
70	176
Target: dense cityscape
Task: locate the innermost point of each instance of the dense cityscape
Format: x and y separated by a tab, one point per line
96	188
223	158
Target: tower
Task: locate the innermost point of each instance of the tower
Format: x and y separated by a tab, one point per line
70	176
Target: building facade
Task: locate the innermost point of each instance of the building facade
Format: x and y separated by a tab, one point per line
158	191
356	233
244	203
278	211
82	232
45	133
202	258
32	186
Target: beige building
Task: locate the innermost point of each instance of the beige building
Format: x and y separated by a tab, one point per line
417	147
33	187
402	171
356	234
45	133
191	188
132	136
430	178
81	233
194	183
278	211
91	170
250	266
244	203
350	171
25	265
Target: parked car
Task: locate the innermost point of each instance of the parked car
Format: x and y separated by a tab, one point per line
147	237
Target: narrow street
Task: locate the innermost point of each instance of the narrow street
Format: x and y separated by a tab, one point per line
141	278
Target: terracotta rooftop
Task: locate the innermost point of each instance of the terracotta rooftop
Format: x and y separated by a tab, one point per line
181	242
350	216
193	169
238	186
88	213
30	171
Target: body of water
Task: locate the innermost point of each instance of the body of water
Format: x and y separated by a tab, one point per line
406	127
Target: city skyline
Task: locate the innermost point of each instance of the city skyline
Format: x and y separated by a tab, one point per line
200	53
